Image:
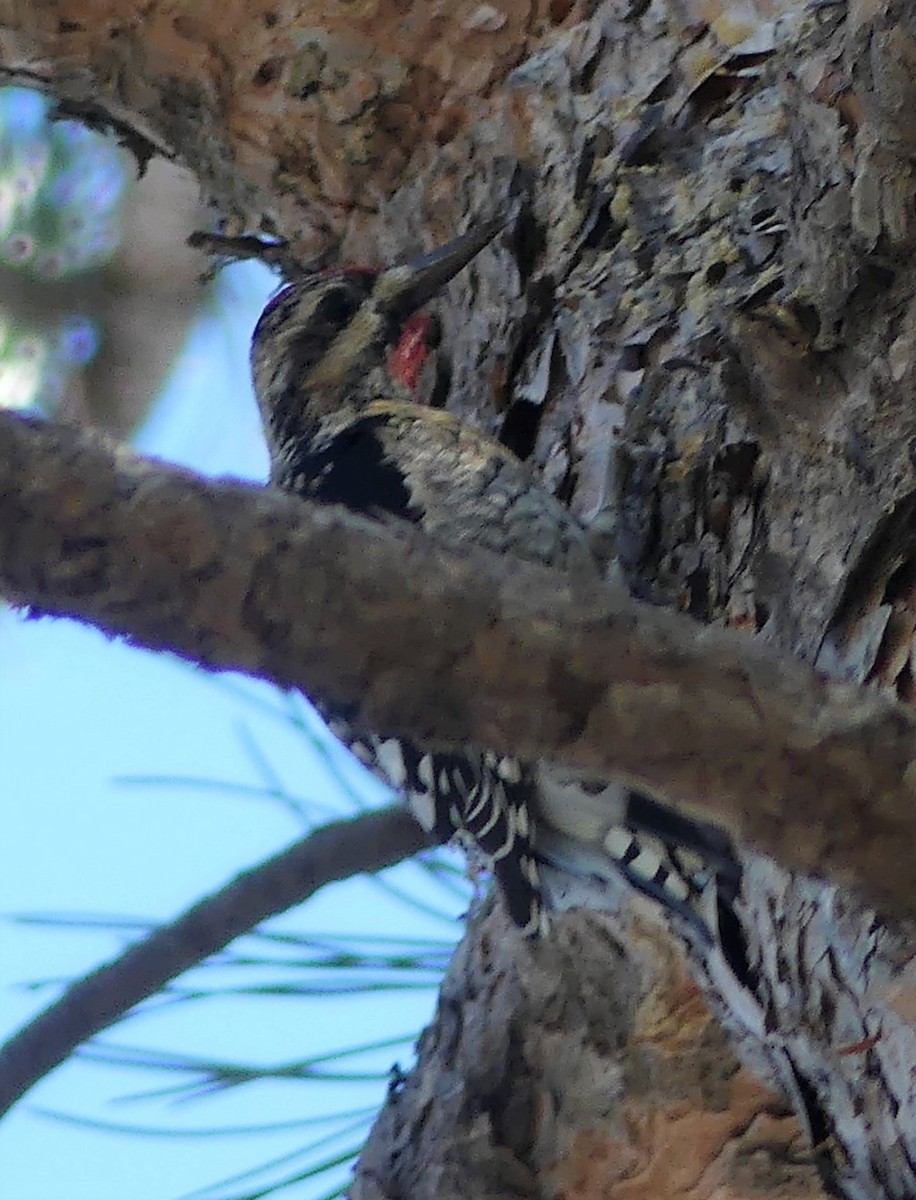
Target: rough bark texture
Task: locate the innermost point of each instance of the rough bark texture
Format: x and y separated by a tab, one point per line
457	649
704	331
589	1067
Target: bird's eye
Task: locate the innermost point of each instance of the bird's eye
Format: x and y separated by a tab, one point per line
337	306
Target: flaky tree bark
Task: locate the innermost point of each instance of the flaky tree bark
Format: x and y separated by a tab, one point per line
702	329
501	654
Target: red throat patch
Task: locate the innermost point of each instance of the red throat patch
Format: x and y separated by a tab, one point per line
405	362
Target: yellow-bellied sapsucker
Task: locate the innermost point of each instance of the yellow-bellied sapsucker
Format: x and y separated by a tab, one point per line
342	429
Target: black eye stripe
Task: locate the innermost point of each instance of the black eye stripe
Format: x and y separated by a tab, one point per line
337	306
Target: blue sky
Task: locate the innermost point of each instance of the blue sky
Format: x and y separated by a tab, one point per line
96	739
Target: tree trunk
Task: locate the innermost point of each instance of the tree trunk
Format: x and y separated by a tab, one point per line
702	335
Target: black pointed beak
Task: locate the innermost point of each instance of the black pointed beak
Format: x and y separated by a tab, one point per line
400	291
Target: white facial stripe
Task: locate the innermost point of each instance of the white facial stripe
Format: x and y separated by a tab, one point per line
349	346
389	284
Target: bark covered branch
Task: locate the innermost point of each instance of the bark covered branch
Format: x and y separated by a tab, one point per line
455	649
706	328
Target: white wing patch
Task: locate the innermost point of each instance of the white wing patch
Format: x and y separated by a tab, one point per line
509	770
423	807
391	760
425	772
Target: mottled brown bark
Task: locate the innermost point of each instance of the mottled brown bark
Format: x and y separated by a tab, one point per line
589	1067
461	649
701	327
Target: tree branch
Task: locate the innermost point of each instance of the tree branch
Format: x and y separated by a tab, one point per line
367	843
819	774
732	221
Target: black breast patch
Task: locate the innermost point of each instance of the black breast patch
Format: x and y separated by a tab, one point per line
354	469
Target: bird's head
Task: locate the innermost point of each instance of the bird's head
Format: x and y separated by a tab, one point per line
319	339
